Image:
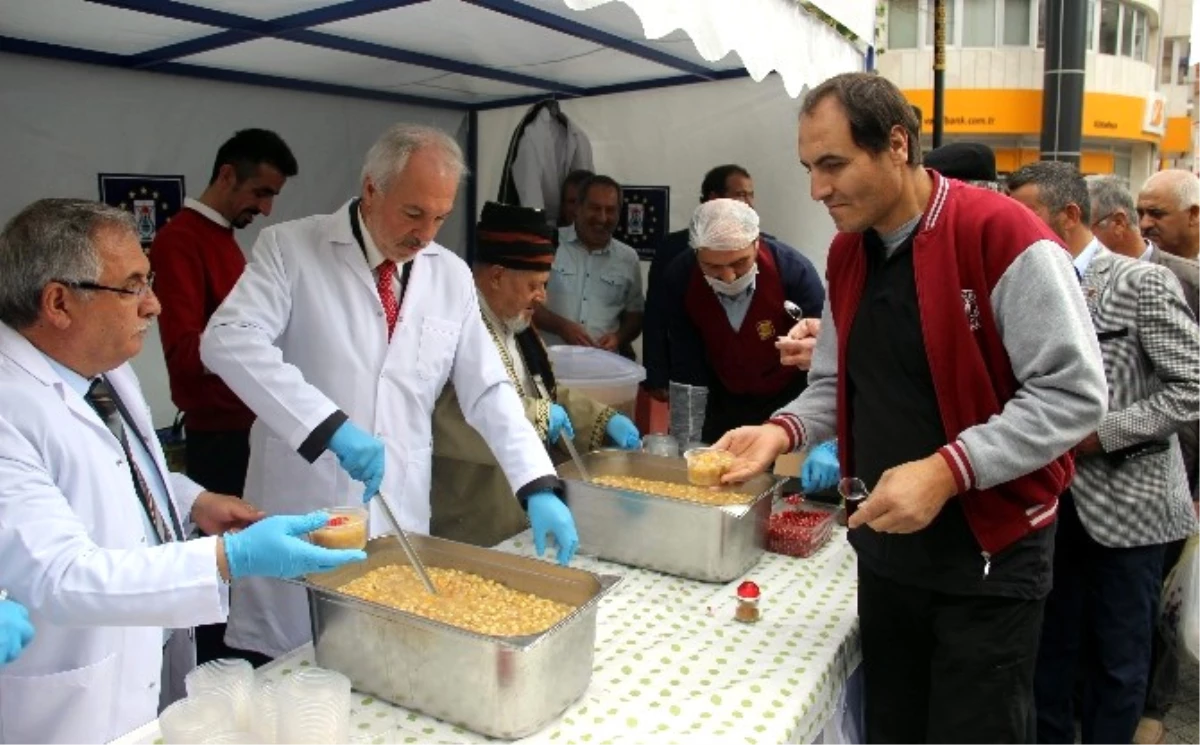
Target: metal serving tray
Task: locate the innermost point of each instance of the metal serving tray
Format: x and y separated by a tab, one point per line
506	687
704	542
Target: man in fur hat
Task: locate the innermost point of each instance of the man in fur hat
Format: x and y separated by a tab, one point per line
471	500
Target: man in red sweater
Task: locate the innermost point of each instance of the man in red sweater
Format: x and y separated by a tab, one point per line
957	366
196	262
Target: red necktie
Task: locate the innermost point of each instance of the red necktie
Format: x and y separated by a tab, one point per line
387	294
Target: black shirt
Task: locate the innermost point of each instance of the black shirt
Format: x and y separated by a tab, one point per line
894	419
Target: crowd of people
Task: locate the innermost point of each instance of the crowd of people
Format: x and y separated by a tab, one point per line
1013	369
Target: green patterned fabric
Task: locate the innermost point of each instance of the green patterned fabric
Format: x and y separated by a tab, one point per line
672	665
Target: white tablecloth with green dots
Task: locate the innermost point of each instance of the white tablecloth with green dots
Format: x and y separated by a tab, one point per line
671	664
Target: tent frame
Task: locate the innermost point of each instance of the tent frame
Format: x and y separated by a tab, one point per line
299	28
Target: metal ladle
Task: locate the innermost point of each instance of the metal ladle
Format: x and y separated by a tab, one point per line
413	559
562	436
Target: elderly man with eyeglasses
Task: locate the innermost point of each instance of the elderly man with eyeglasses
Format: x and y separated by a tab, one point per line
93	527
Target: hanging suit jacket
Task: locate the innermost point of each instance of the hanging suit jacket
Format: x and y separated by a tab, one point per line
470	498
545	147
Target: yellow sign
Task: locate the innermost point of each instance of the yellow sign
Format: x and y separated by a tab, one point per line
1179	135
1019	112
977	111
1155	121
1090	161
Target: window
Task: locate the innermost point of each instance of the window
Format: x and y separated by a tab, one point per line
1016	22
1129	21
1110	26
1041	24
1183	52
1091	25
930	12
1123	163
979	23
1168	62
902	24
1139	34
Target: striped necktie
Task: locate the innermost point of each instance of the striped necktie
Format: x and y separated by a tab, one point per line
100	397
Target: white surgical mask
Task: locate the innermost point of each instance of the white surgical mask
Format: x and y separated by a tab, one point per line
734	288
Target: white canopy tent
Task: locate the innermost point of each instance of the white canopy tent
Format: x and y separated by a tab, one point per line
663	88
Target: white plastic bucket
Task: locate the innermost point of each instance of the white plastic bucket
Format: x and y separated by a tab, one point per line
606	377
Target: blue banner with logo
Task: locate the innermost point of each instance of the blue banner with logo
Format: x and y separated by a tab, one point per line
645	218
152	200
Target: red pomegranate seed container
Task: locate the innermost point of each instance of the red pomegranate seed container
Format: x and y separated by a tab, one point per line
799	528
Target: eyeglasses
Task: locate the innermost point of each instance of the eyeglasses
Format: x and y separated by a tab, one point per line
139	292
1107	217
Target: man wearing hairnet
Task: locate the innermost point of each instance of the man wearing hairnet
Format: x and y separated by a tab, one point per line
725	369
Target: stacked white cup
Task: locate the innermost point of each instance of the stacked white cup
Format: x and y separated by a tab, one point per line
313	706
263	711
192	720
231	738
231	678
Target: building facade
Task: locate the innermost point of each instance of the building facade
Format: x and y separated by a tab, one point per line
1140	92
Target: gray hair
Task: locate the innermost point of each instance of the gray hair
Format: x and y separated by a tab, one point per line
51	240
1184	184
1110	196
388	156
1059	184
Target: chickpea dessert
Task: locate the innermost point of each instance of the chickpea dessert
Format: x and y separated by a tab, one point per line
465	600
703	495
706	466
347	528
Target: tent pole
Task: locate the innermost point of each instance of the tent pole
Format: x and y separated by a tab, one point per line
939	70
472	181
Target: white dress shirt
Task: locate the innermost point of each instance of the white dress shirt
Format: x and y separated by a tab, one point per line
198	206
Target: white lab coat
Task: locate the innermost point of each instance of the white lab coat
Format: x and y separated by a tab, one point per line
73	549
303	335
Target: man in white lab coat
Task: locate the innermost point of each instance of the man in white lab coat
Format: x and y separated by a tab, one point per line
340	336
93	526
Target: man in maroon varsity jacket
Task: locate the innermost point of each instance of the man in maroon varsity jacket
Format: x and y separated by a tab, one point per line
957	366
196	262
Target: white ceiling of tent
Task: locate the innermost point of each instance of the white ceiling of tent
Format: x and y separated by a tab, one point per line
461	52
74	23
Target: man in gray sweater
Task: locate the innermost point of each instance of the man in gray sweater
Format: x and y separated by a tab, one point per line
954	400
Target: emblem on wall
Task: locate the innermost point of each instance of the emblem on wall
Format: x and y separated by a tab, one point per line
645	214
153	200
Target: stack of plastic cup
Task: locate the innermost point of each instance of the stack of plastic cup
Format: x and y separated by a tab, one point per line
664	445
231	738
263	716
313	706
233	679
192	720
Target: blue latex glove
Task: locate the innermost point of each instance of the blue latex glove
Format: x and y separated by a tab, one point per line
821	469
361	455
623	433
559	423
548	514
15	630
272	547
